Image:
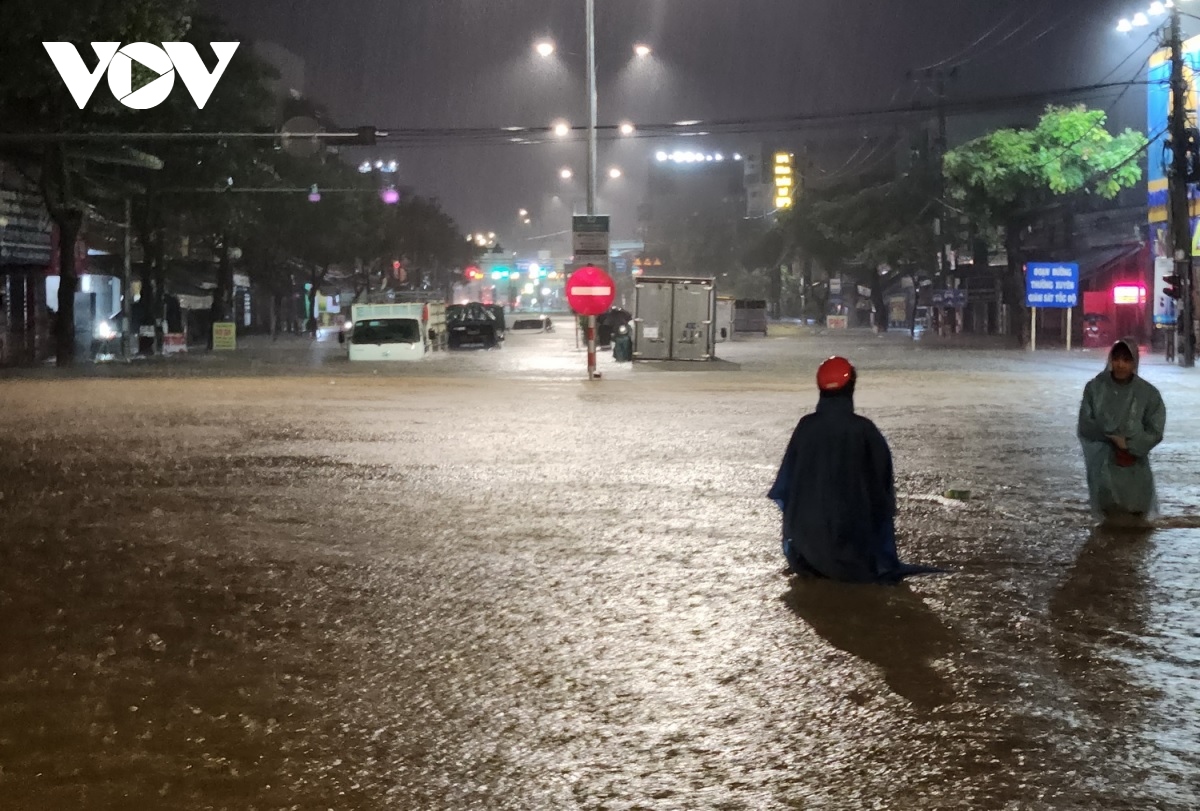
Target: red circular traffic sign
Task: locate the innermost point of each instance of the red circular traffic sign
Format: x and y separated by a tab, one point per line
590	291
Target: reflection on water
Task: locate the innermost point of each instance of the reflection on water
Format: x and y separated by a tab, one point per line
1100	612
890	627
1124	634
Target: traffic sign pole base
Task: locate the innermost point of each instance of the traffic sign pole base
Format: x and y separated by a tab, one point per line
591	346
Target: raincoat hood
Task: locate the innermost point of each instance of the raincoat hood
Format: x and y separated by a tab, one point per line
1129	344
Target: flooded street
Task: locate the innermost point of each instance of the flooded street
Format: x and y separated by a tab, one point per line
485	582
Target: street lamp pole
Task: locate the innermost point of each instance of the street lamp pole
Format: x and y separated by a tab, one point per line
591	83
1181	217
591	162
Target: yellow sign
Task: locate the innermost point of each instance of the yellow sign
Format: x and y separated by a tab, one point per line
224	335
783	179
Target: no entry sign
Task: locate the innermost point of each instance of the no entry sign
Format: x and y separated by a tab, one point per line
590	291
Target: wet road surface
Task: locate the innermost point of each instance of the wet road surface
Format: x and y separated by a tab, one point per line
483	582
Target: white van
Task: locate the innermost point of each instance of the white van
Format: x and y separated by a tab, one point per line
400	331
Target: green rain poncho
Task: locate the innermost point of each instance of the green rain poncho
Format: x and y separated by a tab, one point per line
1134	410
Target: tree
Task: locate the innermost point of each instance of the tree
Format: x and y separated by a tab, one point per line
1010	178
34	99
428	241
887	229
866	228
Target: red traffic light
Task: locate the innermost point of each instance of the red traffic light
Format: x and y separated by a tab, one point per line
473	273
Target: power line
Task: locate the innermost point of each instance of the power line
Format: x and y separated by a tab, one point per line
972	56
1070	15
537	135
499	136
1004	21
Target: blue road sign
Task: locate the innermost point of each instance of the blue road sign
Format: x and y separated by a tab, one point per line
1051	284
954	297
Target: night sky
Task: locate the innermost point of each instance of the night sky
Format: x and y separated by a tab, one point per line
470	63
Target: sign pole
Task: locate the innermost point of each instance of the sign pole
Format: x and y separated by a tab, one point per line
1033	329
1069	329
591	346
590	240
590	292
127	334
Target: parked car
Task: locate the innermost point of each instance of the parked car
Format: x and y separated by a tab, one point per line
497	311
472	324
537	322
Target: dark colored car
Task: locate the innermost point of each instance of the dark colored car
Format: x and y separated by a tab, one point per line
471	324
497	311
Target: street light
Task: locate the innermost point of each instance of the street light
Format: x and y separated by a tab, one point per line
642	50
562	129
626	128
566	174
544	48
522	213
614	173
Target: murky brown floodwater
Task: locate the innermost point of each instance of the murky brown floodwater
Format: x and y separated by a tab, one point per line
485	583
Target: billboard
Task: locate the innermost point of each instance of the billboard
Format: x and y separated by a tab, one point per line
1158	107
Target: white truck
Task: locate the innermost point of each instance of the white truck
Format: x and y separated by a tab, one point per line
395	331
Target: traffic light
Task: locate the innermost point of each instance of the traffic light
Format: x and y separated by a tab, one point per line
473	274
1172	289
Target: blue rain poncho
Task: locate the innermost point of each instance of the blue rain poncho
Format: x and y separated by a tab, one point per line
838	497
1134	410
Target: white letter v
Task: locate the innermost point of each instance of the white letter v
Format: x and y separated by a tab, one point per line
199	82
70	66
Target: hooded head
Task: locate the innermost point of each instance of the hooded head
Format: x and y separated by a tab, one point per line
836	378
1123	360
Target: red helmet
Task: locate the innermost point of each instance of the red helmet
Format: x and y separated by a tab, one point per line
835	374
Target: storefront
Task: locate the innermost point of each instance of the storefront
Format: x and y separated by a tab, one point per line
25	255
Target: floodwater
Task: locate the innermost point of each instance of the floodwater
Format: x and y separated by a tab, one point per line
482	582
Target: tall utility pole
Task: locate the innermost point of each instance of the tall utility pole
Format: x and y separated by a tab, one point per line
590	6
940	156
591	83
128	336
1181	215
937	77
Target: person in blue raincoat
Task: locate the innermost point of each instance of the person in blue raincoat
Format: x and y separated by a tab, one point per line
836	489
1121	419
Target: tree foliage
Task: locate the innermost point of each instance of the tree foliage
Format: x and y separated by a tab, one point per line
1008	179
200	201
1011	175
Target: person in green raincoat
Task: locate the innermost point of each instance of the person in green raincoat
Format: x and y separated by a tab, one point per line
1121	419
